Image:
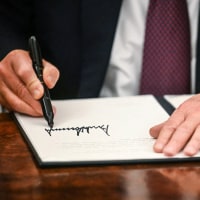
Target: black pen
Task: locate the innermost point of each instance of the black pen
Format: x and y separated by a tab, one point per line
45	101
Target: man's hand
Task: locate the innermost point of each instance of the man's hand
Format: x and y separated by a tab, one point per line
20	88
181	131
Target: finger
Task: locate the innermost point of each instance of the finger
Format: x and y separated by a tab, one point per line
181	135
18	63
167	130
13	102
25	72
193	145
155	130
17	87
50	74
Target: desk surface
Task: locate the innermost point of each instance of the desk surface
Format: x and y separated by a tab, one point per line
21	178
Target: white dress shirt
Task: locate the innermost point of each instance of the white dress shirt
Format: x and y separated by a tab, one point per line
123	75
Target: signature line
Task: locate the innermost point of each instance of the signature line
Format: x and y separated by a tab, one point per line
78	130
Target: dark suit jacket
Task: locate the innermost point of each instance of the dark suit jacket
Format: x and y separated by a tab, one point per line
75	35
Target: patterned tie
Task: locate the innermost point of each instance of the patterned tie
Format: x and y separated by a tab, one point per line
166	61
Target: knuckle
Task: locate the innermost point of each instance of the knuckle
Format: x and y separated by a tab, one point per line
16	53
184	129
23	71
13	53
31	85
168	128
3	69
21	90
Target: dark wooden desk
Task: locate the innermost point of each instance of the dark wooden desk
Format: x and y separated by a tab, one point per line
20	177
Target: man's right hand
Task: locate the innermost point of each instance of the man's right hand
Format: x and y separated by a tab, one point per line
20	89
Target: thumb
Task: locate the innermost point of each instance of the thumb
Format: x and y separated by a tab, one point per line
50	74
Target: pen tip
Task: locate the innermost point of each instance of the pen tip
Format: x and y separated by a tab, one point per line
51	125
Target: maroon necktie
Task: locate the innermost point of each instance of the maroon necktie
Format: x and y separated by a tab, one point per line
166	60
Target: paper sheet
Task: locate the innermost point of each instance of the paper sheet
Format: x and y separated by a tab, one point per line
96	130
176	100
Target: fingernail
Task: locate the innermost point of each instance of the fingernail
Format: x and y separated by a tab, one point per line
189	151
158	147
50	79
169	151
36	94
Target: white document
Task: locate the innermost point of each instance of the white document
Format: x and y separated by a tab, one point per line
103	130
176	100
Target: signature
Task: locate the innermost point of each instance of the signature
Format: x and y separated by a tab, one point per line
78	130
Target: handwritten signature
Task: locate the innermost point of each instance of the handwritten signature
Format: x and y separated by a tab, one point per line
79	130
